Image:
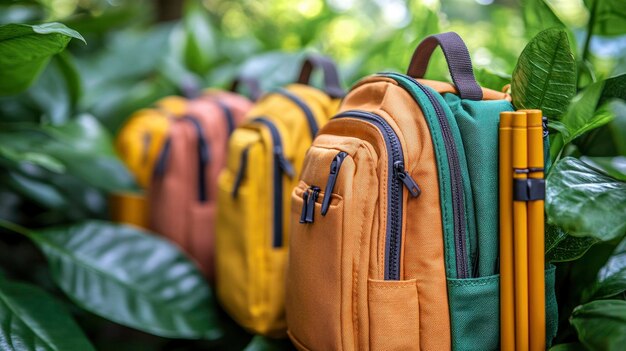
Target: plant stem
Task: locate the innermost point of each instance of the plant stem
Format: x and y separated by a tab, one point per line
590	24
14	228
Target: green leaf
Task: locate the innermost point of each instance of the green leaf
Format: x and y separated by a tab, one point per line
82	146
539	15
261	343
601	325
200	44
609	16
561	247
582	116
25	50
491	79
613	166
37	158
130	277
585	202
52	28
31	319
36	190
574	346
83	134
545	75
614	87
612	277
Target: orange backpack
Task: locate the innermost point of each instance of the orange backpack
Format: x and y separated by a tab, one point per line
394	235
183	191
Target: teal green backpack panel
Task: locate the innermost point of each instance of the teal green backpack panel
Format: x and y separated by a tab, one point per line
478	123
475	312
443	169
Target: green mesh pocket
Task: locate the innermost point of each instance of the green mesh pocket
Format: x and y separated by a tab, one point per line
475	311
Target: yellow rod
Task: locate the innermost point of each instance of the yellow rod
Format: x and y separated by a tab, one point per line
520	234
536	264
507	292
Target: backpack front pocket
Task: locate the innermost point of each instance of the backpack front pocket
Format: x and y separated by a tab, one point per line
393	314
314	293
328	250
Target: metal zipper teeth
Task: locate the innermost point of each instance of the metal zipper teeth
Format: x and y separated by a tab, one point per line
313	127
277	238
203	158
393	240
228	116
458	202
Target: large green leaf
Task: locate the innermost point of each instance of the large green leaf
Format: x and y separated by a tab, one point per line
601	325
612	277
25	51
82	146
585	202
613	166
545	75
608	16
199	49
582	116
130	277
31	319
614	87
561	247
538	15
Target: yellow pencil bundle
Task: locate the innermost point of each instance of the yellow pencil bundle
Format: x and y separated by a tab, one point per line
522	280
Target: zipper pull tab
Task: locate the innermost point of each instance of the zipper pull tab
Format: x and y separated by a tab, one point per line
305	203
405	177
310	207
335	166
285	165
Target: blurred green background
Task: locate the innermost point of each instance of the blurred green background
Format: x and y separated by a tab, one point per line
57	162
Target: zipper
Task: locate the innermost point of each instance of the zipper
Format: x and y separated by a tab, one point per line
310	206
309	198
203	158
458	201
281	166
313	127
305	202
243	165
228	116
396	174
335	166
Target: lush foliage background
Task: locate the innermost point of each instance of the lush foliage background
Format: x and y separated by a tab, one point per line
69	279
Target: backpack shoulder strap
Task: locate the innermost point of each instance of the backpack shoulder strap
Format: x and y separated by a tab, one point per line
457	57
332	87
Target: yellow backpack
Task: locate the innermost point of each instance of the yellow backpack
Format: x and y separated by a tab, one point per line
138	144
264	162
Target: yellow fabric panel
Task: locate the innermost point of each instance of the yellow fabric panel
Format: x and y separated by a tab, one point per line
250	272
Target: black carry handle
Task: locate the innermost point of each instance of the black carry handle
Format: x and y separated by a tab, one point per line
252	84
331	77
457	57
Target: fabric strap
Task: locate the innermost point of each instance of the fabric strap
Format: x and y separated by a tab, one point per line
457	57
332	86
